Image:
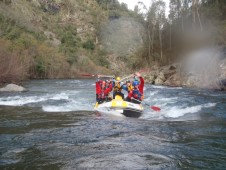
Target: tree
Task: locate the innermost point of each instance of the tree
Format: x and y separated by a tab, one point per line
161	21
156	17
136	9
195	14
124	6
151	23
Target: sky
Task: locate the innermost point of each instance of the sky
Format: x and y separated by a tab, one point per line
147	3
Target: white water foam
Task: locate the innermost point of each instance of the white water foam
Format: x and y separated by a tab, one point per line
157	100
151	94
22	100
175	112
19	101
170	99
61	96
159	87
71	105
165	87
50	108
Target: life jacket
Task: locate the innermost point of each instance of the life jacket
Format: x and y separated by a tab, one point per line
98	87
136	94
108	89
130	88
103	93
141	86
117	87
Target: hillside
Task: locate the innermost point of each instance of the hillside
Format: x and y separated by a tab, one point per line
63	39
57	39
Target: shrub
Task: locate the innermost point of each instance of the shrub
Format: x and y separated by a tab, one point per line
40	68
89	45
11	67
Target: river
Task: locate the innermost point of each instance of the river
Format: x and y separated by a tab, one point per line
52	126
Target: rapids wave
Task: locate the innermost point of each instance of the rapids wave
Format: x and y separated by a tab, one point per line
76	95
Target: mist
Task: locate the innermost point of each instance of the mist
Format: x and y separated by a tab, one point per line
204	67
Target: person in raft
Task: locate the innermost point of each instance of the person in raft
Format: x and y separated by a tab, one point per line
136	95
117	88
102	91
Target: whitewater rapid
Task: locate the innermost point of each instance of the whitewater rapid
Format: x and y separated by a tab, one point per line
78	95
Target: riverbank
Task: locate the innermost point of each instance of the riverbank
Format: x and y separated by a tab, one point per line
176	75
212	76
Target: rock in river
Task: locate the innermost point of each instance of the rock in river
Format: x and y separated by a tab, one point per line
13	87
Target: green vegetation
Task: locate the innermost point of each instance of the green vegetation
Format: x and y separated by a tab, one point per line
69	43
89	45
54	38
43	36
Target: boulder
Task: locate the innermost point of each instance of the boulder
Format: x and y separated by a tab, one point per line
161	76
159	81
172	67
150	78
13	87
174	80
191	81
168	71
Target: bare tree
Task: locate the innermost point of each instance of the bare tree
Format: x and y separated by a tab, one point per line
160	10
195	14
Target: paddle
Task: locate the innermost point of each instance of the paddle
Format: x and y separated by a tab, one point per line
96	75
132	75
88	75
155	108
124	78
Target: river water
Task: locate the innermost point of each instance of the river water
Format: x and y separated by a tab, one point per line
52	126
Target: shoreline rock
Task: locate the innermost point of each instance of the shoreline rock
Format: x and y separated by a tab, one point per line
174	76
12	88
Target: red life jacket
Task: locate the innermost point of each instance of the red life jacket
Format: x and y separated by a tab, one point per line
136	94
141	85
102	92
98	87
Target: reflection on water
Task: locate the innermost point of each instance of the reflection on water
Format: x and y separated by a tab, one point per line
186	134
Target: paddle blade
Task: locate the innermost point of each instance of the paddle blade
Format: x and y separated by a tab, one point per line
155	108
90	75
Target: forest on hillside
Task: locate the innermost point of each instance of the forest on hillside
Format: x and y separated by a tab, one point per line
190	25
62	39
